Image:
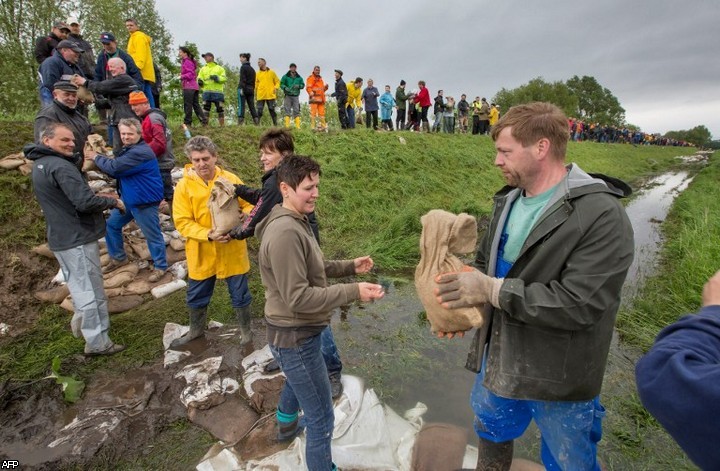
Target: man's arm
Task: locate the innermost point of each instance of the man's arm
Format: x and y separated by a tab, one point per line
155	137
72	184
183	215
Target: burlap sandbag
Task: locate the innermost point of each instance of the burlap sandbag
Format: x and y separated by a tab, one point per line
119	280
97	143
223	205
177	244
443	235
54	295
12	161
26	168
140	247
130	267
174	256
43	250
67	304
124	303
85	95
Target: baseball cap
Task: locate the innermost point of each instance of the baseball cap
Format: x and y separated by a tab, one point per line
107	38
65	85
136	98
293	64
72	20
208	54
338	71
61	25
67	44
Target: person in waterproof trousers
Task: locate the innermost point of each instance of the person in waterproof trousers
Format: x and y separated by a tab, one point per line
549	271
276	144
299	304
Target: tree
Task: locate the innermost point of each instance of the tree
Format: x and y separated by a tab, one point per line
538	90
595	103
23	21
699	135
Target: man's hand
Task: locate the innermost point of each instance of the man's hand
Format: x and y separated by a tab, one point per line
78	80
201	83
120	206
711	291
214	78
213	237
363	264
467	289
89	153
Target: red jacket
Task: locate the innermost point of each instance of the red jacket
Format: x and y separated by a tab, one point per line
423	97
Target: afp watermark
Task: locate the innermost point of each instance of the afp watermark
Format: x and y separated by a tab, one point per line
9	464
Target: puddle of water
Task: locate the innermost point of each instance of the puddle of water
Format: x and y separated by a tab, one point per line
646	211
389	344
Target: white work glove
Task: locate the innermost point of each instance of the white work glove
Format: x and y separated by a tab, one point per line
467	288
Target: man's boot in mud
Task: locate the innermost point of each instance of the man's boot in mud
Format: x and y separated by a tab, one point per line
198	320
494	456
243	315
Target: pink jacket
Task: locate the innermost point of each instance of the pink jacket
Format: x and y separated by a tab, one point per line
188	75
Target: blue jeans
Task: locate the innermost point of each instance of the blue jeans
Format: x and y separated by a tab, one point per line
147	89
199	292
569	430
329	352
149	221
308	388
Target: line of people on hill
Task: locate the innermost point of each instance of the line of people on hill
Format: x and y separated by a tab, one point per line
595	132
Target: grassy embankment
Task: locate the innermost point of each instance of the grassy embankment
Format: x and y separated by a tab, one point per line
373	191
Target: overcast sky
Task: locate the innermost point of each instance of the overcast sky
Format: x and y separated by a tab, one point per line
655	56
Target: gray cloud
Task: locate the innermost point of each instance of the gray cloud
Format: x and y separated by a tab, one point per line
654	56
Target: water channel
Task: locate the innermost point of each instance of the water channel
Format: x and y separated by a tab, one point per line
389	344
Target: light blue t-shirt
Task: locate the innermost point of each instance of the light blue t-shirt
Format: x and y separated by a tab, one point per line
524	214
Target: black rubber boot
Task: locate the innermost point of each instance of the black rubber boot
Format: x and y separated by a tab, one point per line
288	432
198	320
494	456
243	315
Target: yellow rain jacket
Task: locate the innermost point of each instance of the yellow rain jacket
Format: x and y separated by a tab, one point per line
266	84
139	49
192	219
354	96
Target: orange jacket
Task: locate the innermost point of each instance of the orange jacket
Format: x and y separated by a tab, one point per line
316	87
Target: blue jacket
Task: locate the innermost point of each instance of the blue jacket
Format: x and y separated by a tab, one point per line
102	72
679	383
137	172
387	102
54	67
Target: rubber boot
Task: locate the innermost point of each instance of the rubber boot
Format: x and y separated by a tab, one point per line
288	426
494	456
297	122
221	120
312	122
287	122
256	121
198	320
426	126
241	121
243	315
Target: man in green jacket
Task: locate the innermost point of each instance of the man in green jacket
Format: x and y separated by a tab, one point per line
291	83
549	273
212	79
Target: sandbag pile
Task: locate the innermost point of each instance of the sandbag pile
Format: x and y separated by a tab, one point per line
17	162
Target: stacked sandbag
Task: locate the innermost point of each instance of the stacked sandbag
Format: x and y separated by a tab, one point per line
12	161
95	142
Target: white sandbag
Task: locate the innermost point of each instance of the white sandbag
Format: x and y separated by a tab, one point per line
168	288
179	269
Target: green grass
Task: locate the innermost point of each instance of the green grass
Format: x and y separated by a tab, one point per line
373	191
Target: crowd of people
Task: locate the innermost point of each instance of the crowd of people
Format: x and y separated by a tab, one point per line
595	132
548	272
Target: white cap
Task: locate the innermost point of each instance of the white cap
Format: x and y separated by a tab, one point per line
72	20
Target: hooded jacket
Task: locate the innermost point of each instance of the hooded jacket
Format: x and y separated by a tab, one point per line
139	49
137	173
192	219
87	58
209	85
56	112
294	273
550	338
354	96
188	74
157	135
266	84
246	83
73	213
315	87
